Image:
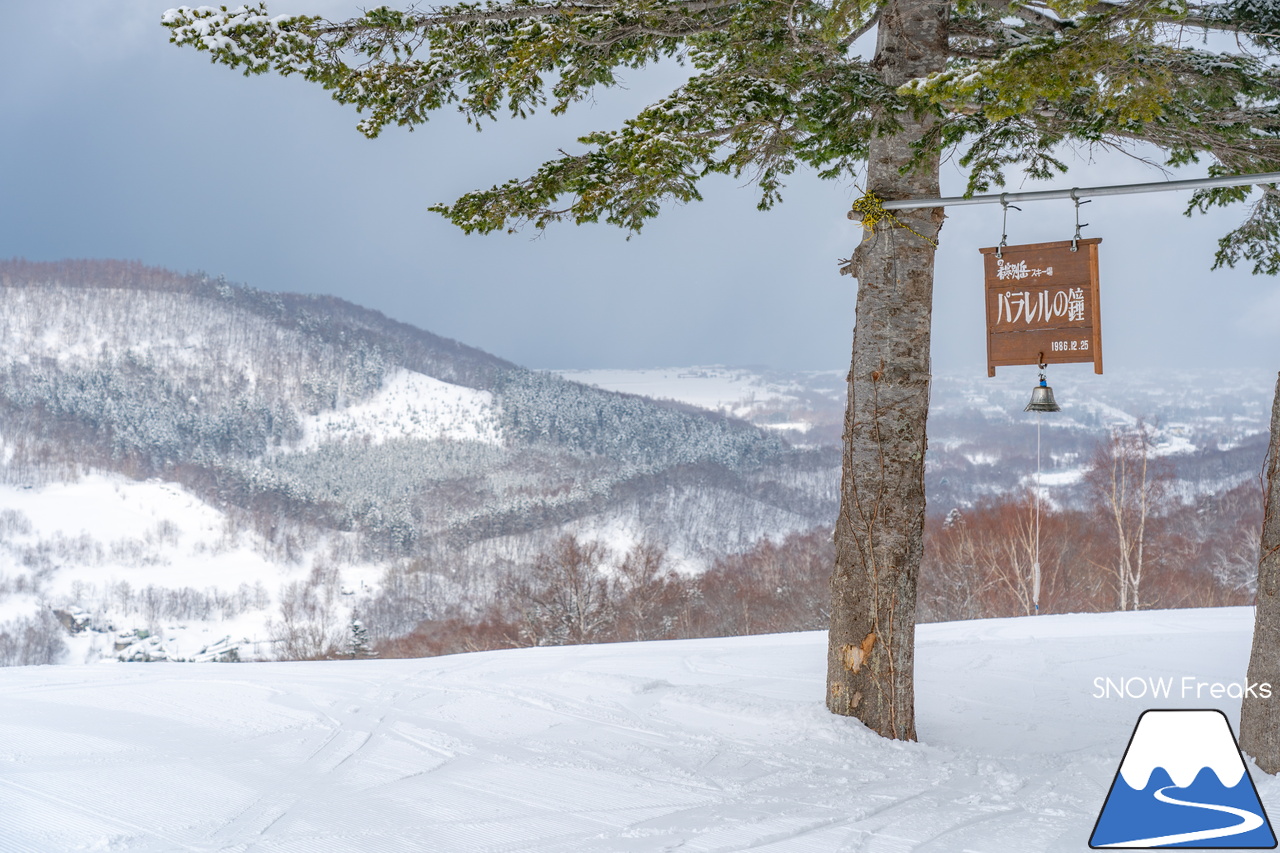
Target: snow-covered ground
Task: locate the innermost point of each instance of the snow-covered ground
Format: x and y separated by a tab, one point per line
788	402
715	387
143	532
409	405
114	549
704	745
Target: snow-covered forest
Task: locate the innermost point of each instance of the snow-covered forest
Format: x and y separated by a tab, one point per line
320	449
195	470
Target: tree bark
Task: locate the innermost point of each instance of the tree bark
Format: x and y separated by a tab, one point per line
1260	717
880	530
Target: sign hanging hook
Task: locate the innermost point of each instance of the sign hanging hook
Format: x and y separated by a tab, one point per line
1004	224
1076	239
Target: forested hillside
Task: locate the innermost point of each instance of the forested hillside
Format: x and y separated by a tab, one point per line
224	388
196	470
332	436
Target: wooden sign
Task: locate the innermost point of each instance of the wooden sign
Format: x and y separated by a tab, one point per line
1042	304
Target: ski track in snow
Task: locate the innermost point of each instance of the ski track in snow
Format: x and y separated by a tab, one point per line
704	745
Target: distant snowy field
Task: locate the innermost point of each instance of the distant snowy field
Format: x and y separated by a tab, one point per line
711	387
753	395
703	745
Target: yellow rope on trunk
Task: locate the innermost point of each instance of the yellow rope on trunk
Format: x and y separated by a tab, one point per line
871	208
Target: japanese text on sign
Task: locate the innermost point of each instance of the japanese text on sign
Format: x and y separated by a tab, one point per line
1042	303
1023	306
1019	270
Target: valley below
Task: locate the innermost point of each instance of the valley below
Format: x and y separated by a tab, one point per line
194	470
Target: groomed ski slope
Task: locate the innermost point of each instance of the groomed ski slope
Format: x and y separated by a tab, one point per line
703	745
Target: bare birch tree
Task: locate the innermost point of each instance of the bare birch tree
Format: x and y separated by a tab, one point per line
1130	486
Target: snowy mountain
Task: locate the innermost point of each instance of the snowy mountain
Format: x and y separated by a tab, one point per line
701	745
171	446
189	469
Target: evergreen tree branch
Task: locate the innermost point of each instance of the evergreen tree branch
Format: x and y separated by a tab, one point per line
727	123
776	88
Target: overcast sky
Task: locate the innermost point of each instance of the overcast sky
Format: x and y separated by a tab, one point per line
117	144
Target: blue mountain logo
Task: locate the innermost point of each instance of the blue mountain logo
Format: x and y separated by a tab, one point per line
1183	783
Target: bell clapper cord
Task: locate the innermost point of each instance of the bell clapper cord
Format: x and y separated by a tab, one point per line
1035	564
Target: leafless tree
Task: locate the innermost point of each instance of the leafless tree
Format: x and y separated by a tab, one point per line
31	640
567	597
641	584
1131	486
309	627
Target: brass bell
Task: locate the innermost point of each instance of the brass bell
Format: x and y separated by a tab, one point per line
1042	398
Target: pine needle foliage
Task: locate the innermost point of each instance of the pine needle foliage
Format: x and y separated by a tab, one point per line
776	85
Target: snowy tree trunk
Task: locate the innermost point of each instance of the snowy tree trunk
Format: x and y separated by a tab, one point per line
1259	717
880	530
